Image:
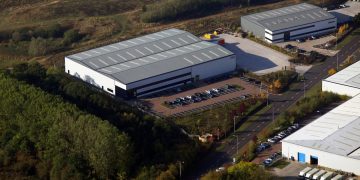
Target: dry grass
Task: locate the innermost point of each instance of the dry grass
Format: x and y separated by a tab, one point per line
108	21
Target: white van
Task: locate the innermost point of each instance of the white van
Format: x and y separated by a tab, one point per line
327	176
318	175
304	171
311	173
338	177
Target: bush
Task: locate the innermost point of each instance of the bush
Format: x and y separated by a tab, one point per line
38	46
71	36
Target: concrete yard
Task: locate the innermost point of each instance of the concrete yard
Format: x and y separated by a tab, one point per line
255	57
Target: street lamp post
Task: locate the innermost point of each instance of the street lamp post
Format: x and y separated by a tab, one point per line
235	122
237	144
304	87
337	54
267	97
180	162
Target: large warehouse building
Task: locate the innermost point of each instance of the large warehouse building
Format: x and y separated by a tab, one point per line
333	140
151	63
289	23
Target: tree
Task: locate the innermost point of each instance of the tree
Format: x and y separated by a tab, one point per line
38	46
71	36
331	71
277	84
356	19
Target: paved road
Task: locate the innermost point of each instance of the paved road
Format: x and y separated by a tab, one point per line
214	160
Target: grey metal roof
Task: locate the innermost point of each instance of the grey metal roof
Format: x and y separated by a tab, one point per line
147	56
349	76
289	17
337	132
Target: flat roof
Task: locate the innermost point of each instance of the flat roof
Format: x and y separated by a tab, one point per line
336	132
349	76
150	55
288	17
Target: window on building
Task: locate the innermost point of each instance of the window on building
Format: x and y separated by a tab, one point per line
110	90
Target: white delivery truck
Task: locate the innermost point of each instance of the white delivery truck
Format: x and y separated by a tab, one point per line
338	177
311	173
327	176
318	175
304	171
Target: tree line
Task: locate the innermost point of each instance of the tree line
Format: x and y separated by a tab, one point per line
155	144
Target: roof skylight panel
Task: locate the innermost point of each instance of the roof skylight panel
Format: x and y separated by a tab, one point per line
177	43
197	58
122	57
93	64
166	44
112	59
102	61
140	52
149	49
161	49
189	61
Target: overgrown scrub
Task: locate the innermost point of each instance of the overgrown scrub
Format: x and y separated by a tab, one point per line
168	10
219	120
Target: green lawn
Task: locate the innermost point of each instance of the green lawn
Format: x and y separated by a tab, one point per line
348	38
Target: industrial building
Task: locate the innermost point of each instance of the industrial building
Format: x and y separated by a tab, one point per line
151	63
289	23
333	140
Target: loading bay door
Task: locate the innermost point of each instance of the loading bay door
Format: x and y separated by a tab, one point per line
301	157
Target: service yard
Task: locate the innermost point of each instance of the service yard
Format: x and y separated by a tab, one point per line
255	57
308	45
244	88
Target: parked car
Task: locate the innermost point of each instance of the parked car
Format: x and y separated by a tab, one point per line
342	6
272	140
313	37
299	40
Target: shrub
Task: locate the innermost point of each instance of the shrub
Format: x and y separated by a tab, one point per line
71	36
38	46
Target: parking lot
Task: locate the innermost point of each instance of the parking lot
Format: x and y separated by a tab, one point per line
255	57
308	45
157	103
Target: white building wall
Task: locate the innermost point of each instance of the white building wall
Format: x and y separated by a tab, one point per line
317	26
325	159
90	76
339	88
213	68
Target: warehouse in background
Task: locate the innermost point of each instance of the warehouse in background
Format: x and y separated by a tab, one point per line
289	23
151	63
